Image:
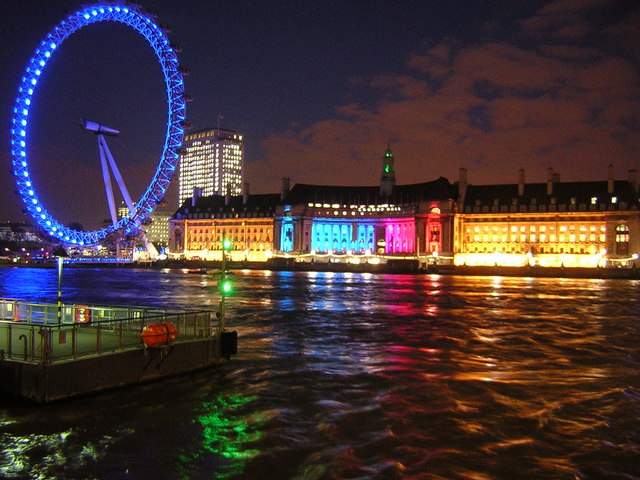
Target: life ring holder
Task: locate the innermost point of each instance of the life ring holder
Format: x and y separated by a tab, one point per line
82	314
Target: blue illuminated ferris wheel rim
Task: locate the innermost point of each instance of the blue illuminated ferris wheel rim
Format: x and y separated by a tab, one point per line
157	39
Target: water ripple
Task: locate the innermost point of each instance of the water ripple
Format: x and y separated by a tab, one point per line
349	376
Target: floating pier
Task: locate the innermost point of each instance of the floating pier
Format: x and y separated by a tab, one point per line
51	352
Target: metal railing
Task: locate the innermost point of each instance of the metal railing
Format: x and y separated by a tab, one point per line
31	332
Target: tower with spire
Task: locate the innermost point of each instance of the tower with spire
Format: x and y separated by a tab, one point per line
388	176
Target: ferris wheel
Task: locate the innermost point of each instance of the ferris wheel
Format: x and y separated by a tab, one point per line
156	37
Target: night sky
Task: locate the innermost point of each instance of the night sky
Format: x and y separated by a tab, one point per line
320	88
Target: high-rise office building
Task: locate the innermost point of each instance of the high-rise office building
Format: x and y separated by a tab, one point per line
158	226
212	161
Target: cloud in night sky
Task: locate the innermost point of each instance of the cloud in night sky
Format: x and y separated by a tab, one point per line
561	90
319	92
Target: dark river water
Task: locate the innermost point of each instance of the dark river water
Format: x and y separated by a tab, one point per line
356	376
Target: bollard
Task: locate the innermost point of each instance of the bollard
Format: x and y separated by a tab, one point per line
24	337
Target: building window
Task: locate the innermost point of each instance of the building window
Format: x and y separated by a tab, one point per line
287	237
622	240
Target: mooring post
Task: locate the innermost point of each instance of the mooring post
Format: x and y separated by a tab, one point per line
24	337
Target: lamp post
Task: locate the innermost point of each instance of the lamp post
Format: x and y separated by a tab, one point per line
60	253
225	285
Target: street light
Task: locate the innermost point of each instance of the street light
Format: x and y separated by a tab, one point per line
225	284
60	253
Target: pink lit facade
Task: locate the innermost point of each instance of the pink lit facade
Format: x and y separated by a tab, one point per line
414	220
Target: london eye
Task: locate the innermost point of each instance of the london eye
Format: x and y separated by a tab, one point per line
156	37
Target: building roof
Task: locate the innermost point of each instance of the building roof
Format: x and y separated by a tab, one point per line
212	130
439	189
572	195
222	206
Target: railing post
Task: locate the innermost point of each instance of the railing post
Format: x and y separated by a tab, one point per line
10	339
74	341
33	343
59	316
46	345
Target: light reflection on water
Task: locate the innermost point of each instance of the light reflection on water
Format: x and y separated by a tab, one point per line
357	376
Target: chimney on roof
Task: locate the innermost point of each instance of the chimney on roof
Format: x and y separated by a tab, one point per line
610	175
462	185
632	176
284	190
245	193
521	182
549	181
195	195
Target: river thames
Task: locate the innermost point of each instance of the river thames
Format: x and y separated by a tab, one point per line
355	376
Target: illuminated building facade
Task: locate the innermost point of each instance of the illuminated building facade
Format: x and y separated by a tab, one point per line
212	160
158	227
412	220
551	224
570	224
199	226
123	210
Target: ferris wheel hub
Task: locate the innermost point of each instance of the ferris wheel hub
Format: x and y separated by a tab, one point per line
99	128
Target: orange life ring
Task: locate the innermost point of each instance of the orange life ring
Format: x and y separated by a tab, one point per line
159	334
83	314
16	315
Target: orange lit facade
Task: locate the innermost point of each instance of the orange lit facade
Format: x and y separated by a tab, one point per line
197	229
570	224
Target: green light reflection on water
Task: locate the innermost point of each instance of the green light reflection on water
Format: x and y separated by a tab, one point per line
226	431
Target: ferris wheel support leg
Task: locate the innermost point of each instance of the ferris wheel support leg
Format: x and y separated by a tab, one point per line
102	146
118	177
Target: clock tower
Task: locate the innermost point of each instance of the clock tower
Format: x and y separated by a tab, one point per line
388	176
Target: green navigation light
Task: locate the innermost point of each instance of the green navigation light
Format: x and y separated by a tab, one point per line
226	287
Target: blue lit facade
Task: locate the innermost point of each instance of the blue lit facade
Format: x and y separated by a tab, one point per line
286	235
329	236
157	39
414	219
